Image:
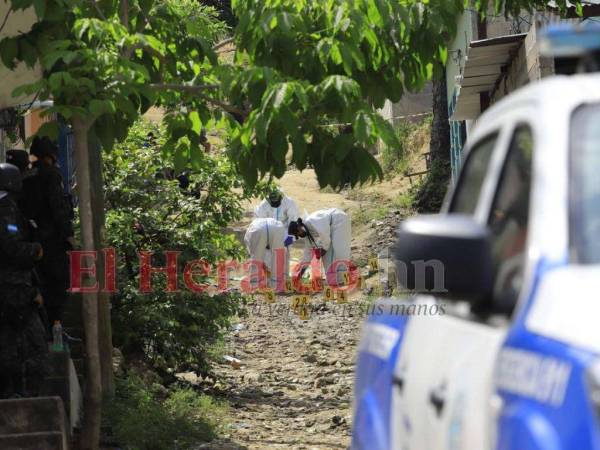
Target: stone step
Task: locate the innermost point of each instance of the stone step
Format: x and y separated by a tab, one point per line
32	415
34	441
63	381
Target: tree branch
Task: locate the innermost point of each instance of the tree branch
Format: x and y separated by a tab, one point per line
224	106
124	13
191	89
98	10
197	90
5	19
222	43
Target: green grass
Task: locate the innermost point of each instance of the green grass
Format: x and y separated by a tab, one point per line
142	417
412	136
366	214
405	200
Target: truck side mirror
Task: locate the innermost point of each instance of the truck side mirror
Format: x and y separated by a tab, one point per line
446	255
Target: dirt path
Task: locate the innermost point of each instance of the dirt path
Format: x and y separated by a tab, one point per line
294	387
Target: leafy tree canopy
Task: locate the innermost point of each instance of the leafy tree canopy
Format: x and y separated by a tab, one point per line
303	86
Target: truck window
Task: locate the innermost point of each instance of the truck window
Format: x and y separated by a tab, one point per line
509	219
585	187
472	176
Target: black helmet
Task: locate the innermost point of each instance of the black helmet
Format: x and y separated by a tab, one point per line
10	178
43	146
19	158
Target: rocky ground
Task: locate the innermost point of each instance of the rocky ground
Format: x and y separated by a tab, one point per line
293	387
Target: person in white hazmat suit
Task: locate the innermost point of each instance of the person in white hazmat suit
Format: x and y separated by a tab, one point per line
327	235
278	206
263	238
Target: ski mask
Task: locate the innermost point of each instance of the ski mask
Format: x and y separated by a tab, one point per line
275	199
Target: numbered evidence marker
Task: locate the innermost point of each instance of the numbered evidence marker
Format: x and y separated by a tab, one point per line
304	312
300	305
269	295
289	287
360	282
374	264
296	299
328	294
341	296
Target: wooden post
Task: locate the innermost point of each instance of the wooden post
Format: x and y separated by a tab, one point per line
92	407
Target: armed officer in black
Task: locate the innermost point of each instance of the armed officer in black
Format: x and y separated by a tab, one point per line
23	347
45	202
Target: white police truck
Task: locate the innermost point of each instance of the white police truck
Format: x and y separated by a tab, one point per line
514	361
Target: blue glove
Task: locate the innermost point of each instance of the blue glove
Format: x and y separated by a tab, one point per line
289	240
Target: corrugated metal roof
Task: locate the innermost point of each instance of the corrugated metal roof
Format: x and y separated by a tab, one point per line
483	67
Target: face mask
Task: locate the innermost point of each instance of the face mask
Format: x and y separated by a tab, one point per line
275	203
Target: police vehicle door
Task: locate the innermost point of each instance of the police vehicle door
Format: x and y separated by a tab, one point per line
447	360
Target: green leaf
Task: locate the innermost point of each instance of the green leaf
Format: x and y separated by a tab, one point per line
27	52
299	150
196	123
49	129
40	8
363	128
49	59
373	13
28	89
8	51
386	131
443	54
100	107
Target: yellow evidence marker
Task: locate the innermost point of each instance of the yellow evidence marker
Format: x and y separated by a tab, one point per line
346	277
341	296
296	302
374	263
304	312
289	286
360	282
269	295
328	294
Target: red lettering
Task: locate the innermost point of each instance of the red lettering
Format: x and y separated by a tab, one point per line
146	271
191	270
77	270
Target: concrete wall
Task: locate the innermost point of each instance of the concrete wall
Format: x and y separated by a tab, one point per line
466	31
411	104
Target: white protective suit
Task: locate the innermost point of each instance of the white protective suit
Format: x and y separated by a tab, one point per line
331	229
285	212
262	238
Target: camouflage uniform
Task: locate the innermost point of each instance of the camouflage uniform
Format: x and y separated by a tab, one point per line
23	338
44	201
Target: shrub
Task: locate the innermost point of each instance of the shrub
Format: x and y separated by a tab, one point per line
148	208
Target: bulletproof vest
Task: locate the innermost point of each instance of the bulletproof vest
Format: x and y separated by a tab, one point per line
13	219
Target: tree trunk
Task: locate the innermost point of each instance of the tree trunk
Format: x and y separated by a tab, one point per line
440	128
90	433
104	324
433	190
